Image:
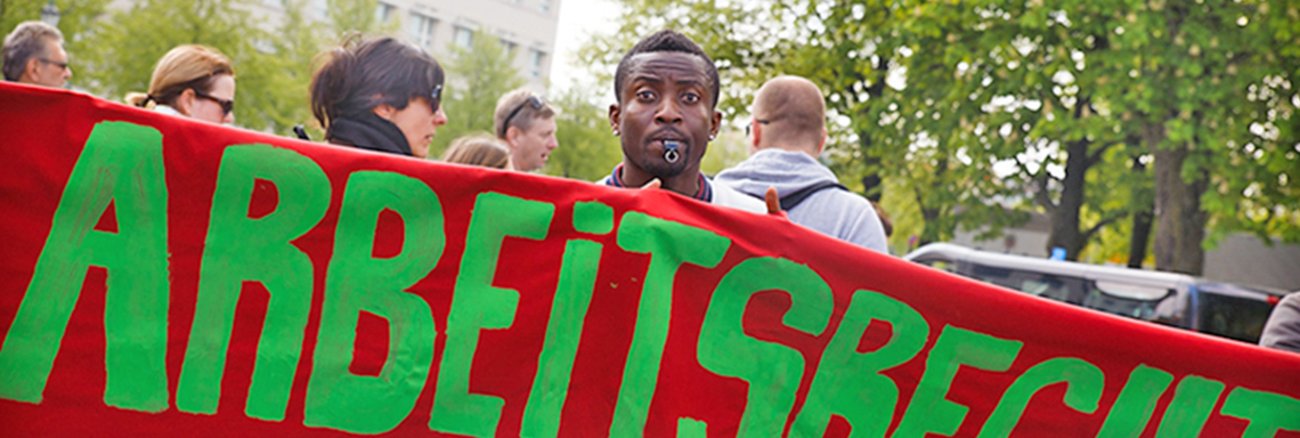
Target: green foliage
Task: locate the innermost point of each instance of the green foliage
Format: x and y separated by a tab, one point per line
983	112
587	149
477	76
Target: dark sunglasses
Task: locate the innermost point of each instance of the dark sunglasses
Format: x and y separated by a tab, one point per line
226	105
532	101
750	126
62	65
435	98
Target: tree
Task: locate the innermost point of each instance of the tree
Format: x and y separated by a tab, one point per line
988	111
587	148
476	77
1210	89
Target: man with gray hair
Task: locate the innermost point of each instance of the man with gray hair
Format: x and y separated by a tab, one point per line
788	134
33	54
526	124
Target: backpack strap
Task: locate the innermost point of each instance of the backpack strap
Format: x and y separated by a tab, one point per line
791	200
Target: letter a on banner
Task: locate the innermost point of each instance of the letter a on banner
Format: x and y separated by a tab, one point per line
122	164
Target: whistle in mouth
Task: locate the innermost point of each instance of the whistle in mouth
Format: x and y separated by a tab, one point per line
671	154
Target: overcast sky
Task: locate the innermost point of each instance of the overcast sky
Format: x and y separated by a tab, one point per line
579	19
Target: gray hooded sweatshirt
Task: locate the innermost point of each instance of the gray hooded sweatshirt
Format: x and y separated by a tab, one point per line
833	212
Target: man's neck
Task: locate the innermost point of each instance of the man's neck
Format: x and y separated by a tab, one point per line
686	183
809	151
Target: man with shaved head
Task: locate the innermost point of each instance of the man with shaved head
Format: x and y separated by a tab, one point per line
788	132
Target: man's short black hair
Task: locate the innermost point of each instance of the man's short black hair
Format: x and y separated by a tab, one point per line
666	40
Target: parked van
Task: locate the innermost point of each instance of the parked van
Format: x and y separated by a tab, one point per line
1178	300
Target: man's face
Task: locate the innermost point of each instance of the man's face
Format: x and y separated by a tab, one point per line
666	99
51	66
530	148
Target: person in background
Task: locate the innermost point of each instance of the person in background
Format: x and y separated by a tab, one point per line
379	94
1282	331
526	124
788	134
478	150
33	54
191	81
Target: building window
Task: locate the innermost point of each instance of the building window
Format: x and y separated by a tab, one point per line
463	37
421	30
536	60
545	6
384	12
510	46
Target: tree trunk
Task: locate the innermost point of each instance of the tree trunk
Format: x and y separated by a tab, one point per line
1141	233
1180	221
1065	217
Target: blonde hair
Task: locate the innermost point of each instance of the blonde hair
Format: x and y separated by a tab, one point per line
478	150
189	66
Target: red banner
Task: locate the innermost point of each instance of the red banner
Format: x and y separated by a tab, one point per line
160	275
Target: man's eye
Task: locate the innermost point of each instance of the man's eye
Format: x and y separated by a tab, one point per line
691	98
645	95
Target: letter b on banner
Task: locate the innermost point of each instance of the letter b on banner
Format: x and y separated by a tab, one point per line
358	282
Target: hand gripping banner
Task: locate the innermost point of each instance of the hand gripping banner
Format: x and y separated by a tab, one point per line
165	276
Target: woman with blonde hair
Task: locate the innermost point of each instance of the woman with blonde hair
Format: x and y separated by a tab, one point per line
478	150
191	81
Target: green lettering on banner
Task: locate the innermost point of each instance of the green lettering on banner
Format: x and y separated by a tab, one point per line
691	428
238	249
1194	400
670	244
1267	412
929	410
772	371
477	305
122	163
1083	392
1132	411
849	383
569	310
356	282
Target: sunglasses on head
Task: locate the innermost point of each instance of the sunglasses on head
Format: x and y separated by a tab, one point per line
226	105
532	101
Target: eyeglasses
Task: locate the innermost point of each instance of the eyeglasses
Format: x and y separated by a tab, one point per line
435	98
226	105
750	126
61	65
532	101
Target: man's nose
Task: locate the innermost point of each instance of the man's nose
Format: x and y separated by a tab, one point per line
668	113
440	117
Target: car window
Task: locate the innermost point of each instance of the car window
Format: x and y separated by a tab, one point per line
1130	300
1050	286
1235	317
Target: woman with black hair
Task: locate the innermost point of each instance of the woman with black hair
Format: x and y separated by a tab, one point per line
379	94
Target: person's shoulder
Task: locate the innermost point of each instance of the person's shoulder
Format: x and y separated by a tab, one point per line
727	196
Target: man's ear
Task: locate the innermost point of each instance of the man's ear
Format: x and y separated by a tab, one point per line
512	135
29	70
614	114
716	124
755	135
821	146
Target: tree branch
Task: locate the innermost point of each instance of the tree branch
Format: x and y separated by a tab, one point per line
1087	235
